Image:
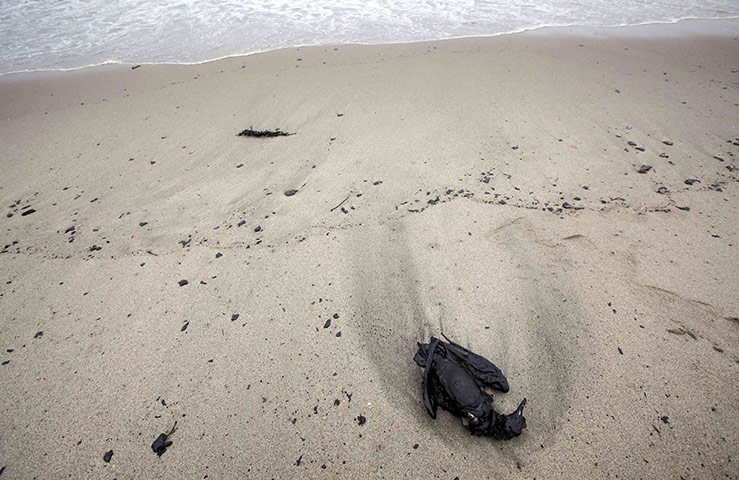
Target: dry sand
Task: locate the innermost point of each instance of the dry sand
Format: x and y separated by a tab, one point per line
617	319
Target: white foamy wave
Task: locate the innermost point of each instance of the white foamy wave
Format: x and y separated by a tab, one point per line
37	35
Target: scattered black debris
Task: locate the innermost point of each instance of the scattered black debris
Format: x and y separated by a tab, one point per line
234	317
95	248
665	419
162	442
143	224
691	181
39	334
620	351
290	193
718	158
184	327
299	460
182	282
219	255
632	143
336	316
415	447
662	190
361	420
327	324
668	143
28	212
641	149
378	182
135	67
644	168
515	147
455	379
241	223
258	229
239	165
108	455
249	132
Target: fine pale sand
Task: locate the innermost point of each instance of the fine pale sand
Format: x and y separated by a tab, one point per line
481	187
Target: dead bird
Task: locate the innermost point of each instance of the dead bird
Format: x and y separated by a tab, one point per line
456	378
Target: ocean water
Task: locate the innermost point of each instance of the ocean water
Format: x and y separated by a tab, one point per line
65	34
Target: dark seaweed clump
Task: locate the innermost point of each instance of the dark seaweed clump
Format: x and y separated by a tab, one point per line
249	132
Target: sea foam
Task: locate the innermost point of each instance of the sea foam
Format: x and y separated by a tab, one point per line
49	35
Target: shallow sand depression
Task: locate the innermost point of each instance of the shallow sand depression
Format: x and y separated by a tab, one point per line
485	188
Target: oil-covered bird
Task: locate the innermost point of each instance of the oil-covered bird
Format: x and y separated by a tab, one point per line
455	379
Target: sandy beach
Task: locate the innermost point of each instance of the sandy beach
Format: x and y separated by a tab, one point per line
562	201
